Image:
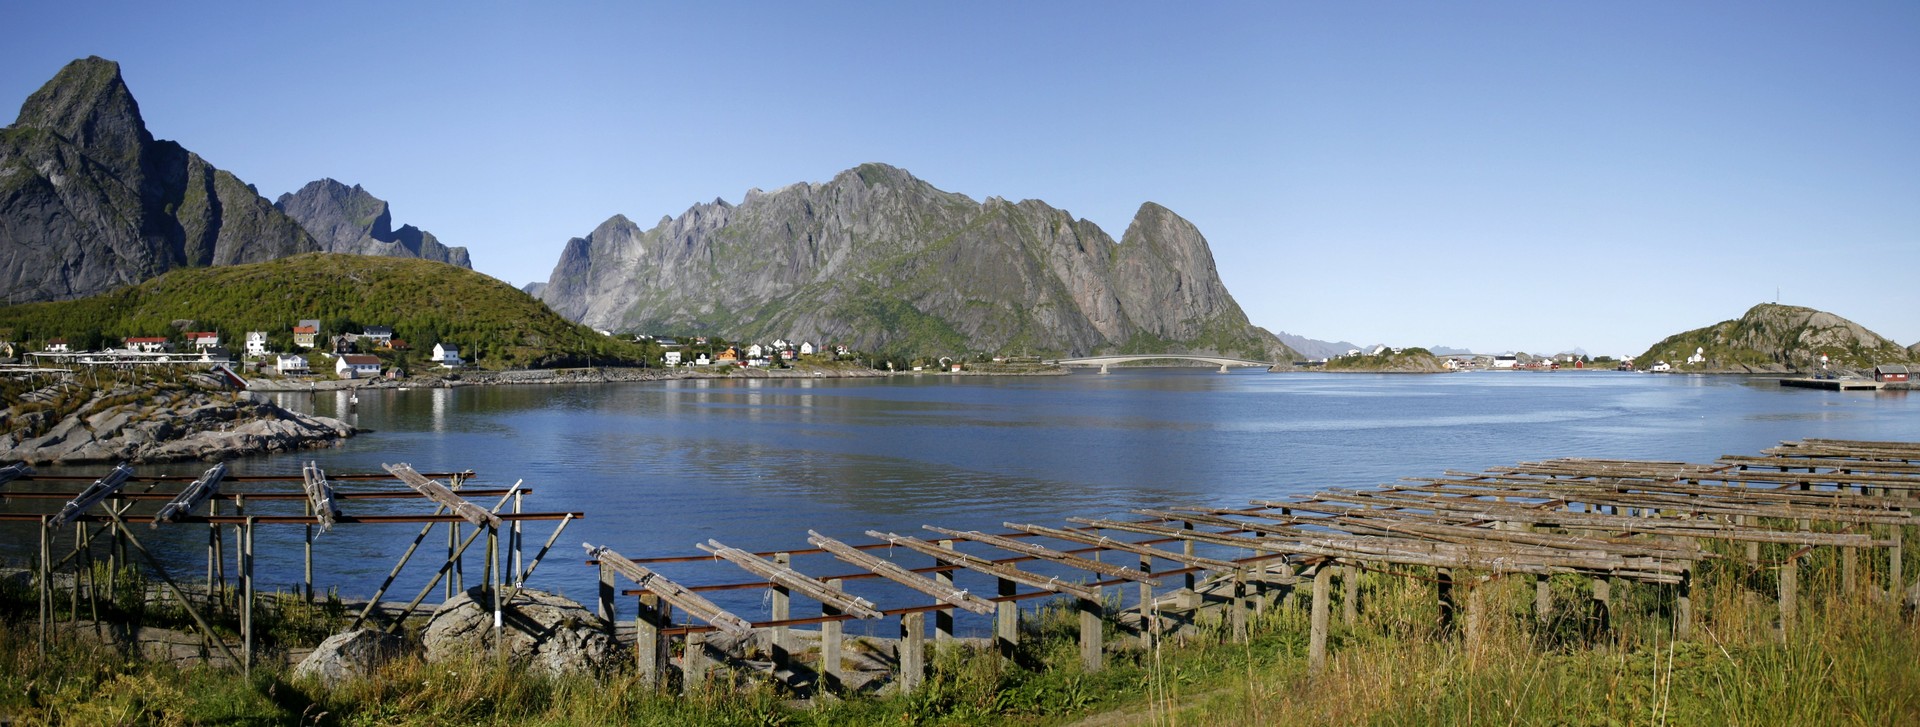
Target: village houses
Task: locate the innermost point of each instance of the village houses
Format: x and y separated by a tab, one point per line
203	340
447	354
57	345
256	343
357	366
148	344
289	364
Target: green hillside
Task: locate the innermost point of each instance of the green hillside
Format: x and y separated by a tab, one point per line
1773	337
495	325
1406	360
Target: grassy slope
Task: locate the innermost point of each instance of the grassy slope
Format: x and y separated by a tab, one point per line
495	325
1768	336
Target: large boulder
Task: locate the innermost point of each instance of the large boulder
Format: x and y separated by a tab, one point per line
540	630
351	655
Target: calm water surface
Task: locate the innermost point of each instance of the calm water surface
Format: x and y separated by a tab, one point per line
660	466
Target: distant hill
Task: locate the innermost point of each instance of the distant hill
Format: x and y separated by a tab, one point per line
495	325
349	220
1407	360
882	261
1313	348
1777	338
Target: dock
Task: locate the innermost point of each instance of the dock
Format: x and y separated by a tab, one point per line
1833	384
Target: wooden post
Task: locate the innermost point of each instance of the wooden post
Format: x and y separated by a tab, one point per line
307	556
1543	598
1789	597
216	560
1849	570
913	651
943	618
453	543
1149	626
1317	634
782	610
606	594
1186	547
1476	627
516	544
1683	605
830	637
1238	604
1602	606
1443	589
1350	598
1006	620
1896	564
246	605
693	663
46	582
1092	645
649	647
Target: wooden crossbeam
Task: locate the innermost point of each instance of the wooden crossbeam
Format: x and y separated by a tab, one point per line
183	504
319	495
101	489
1081	536
1858	509
1198	536
692	603
807	585
1713	529
889	570
439	493
983	565
1106	569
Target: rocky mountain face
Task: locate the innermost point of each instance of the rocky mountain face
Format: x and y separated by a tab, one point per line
90	201
349	220
1314	348
1777	338
882	261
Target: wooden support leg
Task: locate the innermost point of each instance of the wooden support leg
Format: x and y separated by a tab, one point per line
913	651
246	605
1443	587
1475	617
46	582
1238	604
1542	598
943	618
830	638
1092	645
1148	626
693	663
1317	634
1350	595
1683	605
649	647
1849	570
1006	621
1789	598
1602	607
606	595
782	610
306	579
1896	563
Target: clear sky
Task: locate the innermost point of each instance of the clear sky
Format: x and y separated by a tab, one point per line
1499	176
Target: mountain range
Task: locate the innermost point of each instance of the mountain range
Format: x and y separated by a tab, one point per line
90	201
880	260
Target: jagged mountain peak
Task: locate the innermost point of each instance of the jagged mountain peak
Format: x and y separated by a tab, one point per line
881	260
351	220
88	104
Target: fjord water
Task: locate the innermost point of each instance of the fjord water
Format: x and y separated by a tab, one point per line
755	463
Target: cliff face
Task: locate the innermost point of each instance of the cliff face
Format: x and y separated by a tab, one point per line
90	201
1777	338
349	220
882	261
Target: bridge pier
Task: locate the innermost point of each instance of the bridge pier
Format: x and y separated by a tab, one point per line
1103	368
1223	368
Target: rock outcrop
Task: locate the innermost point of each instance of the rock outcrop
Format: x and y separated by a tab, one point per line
349	220
882	261
540	630
155	424
352	655
1773	338
90	201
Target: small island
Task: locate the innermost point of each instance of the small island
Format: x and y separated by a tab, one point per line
137	417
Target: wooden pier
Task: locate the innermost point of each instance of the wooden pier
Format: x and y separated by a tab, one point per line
1833	384
1603	521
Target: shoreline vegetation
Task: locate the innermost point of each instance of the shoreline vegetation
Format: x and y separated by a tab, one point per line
1846	658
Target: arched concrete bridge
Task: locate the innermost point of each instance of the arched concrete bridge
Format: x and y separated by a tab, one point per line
1104	361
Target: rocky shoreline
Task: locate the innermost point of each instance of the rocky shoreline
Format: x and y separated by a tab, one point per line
605	375
155	423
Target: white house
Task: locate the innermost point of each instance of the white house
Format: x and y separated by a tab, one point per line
447	355
147	344
1661	366
754	351
57	345
1505	361
672	358
288	363
781	344
806	348
256	343
203	340
356	366
381	336
1699	356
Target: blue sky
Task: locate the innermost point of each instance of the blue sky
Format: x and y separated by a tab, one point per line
1531	176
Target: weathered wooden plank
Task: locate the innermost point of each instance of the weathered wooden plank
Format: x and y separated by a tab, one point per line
983	565
1080	536
439	493
893	572
14	471
1009	544
671	592
1201	536
807	585
319	495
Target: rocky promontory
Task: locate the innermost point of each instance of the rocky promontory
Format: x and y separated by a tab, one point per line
153	422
